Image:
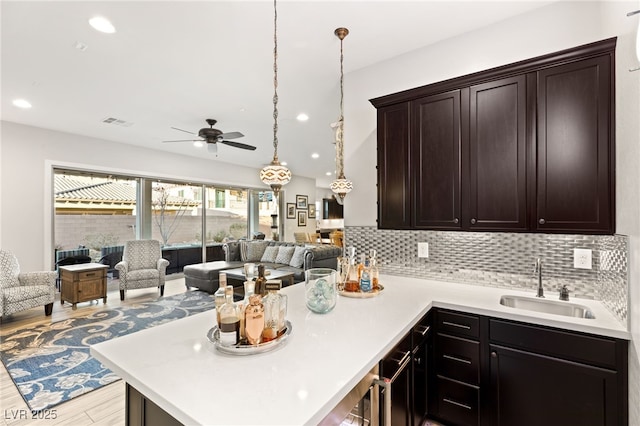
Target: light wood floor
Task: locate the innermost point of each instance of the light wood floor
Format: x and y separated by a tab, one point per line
104	406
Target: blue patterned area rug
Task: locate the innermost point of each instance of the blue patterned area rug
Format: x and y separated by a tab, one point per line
51	364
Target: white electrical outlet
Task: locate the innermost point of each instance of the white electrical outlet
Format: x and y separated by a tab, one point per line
582	258
423	250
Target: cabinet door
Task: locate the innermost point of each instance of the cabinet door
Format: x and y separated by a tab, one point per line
575	146
497	154
393	167
435	152
530	389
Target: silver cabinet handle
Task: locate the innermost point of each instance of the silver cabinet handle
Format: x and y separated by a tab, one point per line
422	330
456	220
459	404
541	221
453	324
473	221
402	359
453	358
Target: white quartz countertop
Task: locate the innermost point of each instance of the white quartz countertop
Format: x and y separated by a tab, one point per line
299	383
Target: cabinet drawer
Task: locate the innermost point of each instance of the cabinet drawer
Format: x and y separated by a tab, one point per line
458	403
458	358
569	345
421	330
458	324
91	275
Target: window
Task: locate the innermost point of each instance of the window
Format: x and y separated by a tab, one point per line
97	210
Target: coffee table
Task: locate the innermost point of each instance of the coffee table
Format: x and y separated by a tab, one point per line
238	278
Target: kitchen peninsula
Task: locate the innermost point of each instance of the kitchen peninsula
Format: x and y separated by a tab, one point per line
178	369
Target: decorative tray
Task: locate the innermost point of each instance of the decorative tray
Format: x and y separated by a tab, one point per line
361	294
245	349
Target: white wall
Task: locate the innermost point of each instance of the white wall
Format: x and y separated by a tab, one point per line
545	30
28	153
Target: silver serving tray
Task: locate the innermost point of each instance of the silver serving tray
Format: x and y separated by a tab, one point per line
361	294
244	349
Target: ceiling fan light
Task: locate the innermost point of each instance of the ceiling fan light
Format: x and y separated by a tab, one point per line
275	175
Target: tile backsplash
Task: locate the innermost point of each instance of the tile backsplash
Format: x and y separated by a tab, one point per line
500	259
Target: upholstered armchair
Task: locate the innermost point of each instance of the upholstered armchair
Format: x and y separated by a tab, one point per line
142	266
26	290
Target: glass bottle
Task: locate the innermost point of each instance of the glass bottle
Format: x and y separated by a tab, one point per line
260	281
254	319
375	275
365	278
351	283
275	311
249	287
229	321
373	270
361	265
219	297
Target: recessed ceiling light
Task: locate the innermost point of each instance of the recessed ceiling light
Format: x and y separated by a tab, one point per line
315	155
329	173
198	144
102	24
22	103
302	117
284	163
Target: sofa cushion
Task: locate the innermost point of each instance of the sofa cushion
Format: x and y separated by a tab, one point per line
284	254
297	258
270	254
252	251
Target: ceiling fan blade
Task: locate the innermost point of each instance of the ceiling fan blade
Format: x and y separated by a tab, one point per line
186	140
231	135
186	131
239	145
212	148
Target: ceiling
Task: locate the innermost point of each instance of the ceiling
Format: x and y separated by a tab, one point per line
176	63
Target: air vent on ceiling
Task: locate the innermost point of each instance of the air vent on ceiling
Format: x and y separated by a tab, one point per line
117	122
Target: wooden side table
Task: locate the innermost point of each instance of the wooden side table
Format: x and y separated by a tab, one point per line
83	282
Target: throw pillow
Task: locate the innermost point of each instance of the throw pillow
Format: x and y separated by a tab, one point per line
284	254
270	254
254	250
297	259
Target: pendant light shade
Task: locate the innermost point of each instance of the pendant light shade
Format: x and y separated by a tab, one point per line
341	185
275	174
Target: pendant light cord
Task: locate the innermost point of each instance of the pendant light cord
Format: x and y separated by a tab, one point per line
275	83
340	132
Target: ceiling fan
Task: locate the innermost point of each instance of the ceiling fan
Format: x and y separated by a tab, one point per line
212	136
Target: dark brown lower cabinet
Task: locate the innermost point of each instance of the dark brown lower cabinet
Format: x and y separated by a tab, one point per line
531	389
495	372
141	411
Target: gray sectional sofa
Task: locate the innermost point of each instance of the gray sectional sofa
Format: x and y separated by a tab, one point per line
294	257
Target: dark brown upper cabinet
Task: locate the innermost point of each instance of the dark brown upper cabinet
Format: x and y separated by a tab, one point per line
524	147
393	167
497	155
435	152
575	178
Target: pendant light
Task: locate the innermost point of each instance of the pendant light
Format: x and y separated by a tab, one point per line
275	175
341	186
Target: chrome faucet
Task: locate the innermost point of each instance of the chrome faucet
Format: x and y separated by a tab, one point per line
538	270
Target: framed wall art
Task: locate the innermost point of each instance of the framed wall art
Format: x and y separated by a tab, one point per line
302	218
301	202
312	211
291	210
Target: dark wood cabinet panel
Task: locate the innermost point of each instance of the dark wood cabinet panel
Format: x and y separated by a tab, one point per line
436	153
532	389
497	155
331	209
527	147
393	167
575	162
502	372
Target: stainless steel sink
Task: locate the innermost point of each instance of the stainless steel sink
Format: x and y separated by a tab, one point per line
547	306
